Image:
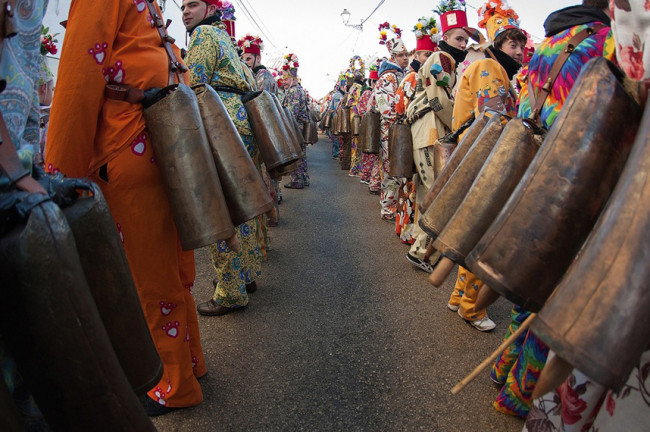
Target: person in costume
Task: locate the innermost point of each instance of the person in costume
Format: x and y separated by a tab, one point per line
45	90
427	36
340	89
345	155
108	142
251	48
519	366
486	84
431	111
384	99
212	59
295	98
368	160
357	89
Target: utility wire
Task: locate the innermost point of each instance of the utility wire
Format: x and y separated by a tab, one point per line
261	21
254	22
372	13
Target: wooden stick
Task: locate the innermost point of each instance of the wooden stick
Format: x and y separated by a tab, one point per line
429	252
485	363
486	296
553	375
441	272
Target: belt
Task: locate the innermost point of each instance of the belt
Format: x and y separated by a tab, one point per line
123	93
417	116
229	89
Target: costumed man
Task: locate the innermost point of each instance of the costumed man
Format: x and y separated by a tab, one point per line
391	74
519	366
45	92
108	142
427	36
368	160
431	112
486	84
345	138
251	48
581	403
295	98
340	88
213	60
353	102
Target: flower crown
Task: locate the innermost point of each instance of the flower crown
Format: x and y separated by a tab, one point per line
382	32
48	42
427	27
450	5
290	62
227	10
496	7
249	40
353	62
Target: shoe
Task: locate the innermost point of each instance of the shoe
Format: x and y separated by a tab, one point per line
212	308
484	324
452	307
388	218
251	287
305	184
366	182
372	192
289	186
153	408
424	266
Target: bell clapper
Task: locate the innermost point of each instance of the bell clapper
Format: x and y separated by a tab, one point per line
233	243
553	375
441	271
486	297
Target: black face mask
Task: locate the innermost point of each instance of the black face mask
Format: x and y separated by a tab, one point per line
509	64
458	55
415	65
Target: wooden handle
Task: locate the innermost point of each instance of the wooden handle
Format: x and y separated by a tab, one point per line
485	363
553	375
486	296
441	271
233	243
429	252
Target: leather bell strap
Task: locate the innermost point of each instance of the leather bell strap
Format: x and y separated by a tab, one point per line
546	89
123	93
175	67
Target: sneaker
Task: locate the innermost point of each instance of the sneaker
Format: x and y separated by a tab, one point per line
453	307
422	265
483	324
366	182
388	218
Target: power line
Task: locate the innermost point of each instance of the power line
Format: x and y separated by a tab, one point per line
261	21
254	22
372	13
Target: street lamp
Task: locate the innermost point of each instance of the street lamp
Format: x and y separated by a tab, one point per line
345	16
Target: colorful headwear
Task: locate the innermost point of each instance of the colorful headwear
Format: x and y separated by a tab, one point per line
452	14
227	14
361	70
496	17
374	72
251	44
427	34
529	49
290	65
394	45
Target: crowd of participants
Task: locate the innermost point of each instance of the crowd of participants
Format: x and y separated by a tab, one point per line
452	76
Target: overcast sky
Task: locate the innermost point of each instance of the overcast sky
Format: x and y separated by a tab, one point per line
314	30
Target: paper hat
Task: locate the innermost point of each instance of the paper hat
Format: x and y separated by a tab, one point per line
496	17
452	14
227	15
357	71
250	44
427	34
394	45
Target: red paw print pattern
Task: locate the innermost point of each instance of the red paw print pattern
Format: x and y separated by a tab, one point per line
119	232
99	52
51	169
160	395
195	362
188	287
171	329
139	145
152	160
114	74
140	5
166	308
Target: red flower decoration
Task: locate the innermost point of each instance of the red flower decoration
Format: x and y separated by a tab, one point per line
572	405
611	404
632	62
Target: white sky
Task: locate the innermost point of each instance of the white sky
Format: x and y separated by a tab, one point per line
314	30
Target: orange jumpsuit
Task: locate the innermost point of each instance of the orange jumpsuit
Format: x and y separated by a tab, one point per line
114	41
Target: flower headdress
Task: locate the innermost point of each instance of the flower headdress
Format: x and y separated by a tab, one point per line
48	43
394	45
450	5
496	17
227	10
361	70
250	44
427	34
290	65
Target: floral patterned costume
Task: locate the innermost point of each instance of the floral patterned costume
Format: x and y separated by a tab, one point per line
384	100
368	160
354	101
213	60
296	100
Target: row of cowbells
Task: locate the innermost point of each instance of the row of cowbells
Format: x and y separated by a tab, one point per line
71	314
211	180
515	206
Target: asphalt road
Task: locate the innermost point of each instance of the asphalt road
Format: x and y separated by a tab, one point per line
343	333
